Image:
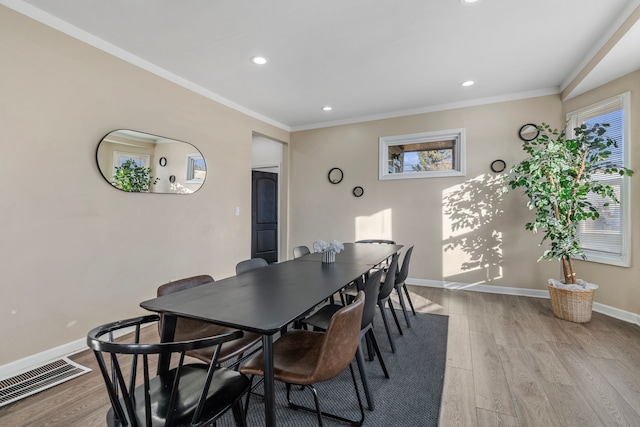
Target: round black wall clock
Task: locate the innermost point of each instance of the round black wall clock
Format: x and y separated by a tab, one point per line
498	165
335	175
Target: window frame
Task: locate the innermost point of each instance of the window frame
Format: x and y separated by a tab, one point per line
624	258
459	166
190	170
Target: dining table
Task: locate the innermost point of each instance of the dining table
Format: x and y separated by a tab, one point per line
266	300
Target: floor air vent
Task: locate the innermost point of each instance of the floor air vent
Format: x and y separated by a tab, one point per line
38	379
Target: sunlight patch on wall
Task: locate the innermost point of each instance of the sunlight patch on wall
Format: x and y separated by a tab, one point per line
376	226
471	236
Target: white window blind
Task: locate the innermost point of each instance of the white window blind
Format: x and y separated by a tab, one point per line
606	239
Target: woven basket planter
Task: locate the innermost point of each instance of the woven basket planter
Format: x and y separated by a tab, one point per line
572	305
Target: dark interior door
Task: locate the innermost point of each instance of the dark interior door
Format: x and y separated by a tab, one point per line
264	216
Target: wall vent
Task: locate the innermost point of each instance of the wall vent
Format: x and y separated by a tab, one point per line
38	379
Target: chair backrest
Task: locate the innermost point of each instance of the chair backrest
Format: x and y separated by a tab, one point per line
386	242
182	284
185	327
250	264
390	278
137	396
299	251
340	340
371	289
404	271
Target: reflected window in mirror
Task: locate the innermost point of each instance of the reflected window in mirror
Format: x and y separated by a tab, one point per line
129	161
422	155
196	169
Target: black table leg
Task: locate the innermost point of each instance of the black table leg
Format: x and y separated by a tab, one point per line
269	386
166	335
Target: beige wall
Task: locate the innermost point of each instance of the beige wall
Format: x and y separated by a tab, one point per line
463	231
75	252
618	285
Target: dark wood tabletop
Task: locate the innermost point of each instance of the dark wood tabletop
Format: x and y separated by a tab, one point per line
262	300
359	253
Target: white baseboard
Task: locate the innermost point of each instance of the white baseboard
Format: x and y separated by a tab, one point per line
30	362
536	293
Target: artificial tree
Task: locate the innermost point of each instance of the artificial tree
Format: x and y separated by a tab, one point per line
558	177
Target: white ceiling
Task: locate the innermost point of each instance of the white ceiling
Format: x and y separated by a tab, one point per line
366	58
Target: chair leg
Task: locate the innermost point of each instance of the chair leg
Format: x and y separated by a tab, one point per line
363	377
406	292
370	352
239	414
404	308
386	326
374	342
246	404
395	316
317	410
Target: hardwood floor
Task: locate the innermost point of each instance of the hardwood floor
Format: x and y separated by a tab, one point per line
509	363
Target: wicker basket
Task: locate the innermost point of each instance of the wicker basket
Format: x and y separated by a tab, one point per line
572	305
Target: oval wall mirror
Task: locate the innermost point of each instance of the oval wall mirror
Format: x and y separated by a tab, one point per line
127	159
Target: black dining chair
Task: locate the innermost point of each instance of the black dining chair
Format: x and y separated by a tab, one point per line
401	286
189	329
384	264
384	298
186	395
305	358
321	318
250	264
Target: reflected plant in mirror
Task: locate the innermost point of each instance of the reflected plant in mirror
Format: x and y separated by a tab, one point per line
125	158
133	178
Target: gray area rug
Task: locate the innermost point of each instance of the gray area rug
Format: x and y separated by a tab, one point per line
410	397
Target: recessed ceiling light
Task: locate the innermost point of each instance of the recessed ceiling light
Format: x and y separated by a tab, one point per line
468	83
259	60
469	1
327	108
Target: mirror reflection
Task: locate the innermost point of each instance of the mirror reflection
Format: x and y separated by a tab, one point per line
137	162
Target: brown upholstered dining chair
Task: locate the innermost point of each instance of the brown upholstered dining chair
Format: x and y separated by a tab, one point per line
302	357
321	318
188	395
189	329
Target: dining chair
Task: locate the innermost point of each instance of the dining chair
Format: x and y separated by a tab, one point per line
299	251
320	321
305	358
190	329
401	286
250	264
186	395
384	264
384	298
381	241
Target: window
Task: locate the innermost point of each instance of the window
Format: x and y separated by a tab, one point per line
119	157
422	155
196	169
606	239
